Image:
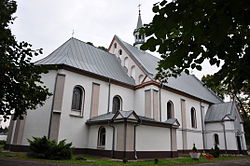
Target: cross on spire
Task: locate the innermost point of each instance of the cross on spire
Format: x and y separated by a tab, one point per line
139	7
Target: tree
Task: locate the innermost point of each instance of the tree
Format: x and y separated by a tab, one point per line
20	82
187	32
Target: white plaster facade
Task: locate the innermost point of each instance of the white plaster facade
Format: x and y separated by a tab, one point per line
140	132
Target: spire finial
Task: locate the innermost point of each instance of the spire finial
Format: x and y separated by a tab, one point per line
139	7
73	33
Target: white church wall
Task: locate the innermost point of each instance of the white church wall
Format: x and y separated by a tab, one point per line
139	105
93	137
71	127
194	138
150	138
126	94
37	121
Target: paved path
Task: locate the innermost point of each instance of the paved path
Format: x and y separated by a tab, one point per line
237	162
15	162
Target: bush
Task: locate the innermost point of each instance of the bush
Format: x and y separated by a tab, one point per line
125	160
47	149
156	161
194	148
215	151
2	142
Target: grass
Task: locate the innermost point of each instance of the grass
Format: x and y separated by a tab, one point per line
98	161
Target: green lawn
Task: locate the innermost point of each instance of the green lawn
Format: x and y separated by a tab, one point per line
96	161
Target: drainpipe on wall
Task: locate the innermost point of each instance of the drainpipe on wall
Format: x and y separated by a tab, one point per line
225	138
160	99
108	96
125	139
135	153
113	141
171	135
202	126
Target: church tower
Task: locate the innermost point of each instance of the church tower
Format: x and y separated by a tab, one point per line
139	38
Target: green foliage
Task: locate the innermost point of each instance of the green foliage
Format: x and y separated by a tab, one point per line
80	158
2	142
215	151
47	149
125	160
103	48
194	149
187	32
90	43
156	161
19	78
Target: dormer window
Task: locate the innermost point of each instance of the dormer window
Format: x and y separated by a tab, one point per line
115	45
120	52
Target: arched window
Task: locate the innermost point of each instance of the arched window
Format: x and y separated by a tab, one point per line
216	139
120	52
117	104
170	110
193	118
101	137
77	99
133	72
140	79
115	45
126	62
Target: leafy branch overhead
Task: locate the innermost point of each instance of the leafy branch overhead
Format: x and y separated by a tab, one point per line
187	32
20	80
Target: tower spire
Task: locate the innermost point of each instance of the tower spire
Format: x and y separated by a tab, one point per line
139	38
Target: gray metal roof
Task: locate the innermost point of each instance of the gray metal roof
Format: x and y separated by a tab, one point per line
217	112
125	114
80	55
185	83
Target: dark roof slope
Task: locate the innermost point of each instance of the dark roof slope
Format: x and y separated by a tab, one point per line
217	112
77	54
185	83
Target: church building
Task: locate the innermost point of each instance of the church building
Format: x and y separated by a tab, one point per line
108	103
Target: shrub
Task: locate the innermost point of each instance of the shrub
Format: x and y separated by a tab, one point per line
2	142
80	158
215	151
125	160
194	148
47	149
156	161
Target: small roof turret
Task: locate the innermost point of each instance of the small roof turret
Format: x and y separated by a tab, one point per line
139	38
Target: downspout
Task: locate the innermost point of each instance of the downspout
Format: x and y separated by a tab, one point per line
108	97
135	152
113	141
125	138
160	100
202	126
225	138
171	135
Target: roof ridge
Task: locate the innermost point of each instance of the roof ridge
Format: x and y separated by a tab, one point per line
91	45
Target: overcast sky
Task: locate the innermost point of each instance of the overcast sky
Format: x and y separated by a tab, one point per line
49	23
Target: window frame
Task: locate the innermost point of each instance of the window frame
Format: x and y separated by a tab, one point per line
120	103
216	139
100	144
82	101
171	110
193	118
